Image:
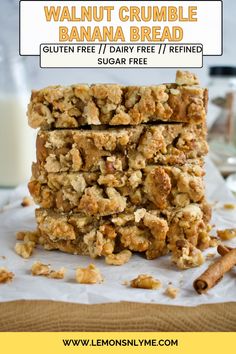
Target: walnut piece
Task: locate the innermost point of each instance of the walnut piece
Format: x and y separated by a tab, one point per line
100	242
145	281
41	269
210	256
134	238
118	258
25	249
214	241
139	214
59	229
186	78
158	228
185	255
78	105
89	275
226	234
27	236
57	274
27	201
93	202
171	292
5	275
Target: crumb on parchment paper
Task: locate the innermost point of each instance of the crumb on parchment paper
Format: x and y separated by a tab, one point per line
25	249
118	258
185	255
41	269
171	292
226	234
210	256
89	275
27	201
27	236
229	206
145	281
5	275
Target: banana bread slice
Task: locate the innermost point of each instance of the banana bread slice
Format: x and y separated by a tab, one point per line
152	232
99	194
112	104
117	149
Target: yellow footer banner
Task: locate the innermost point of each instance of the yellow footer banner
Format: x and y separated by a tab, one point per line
117	342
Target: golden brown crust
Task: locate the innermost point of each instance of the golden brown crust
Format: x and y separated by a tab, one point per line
111	104
104	194
114	150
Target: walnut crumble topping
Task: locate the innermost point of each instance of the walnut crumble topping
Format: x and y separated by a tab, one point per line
111	104
186	78
98	194
5	275
185	255
116	149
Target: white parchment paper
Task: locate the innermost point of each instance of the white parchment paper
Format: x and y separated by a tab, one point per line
14	217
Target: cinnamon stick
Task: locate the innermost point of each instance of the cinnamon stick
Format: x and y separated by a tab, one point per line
222	249
215	272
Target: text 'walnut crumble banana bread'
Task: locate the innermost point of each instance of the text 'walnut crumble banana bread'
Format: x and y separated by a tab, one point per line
111	104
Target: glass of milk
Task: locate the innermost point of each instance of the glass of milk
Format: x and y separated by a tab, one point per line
17	140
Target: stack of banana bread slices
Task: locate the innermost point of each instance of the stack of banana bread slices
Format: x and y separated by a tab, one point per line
120	170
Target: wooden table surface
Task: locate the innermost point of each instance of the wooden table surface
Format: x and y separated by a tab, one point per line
124	316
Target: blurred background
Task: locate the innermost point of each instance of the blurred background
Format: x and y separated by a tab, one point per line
18	75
